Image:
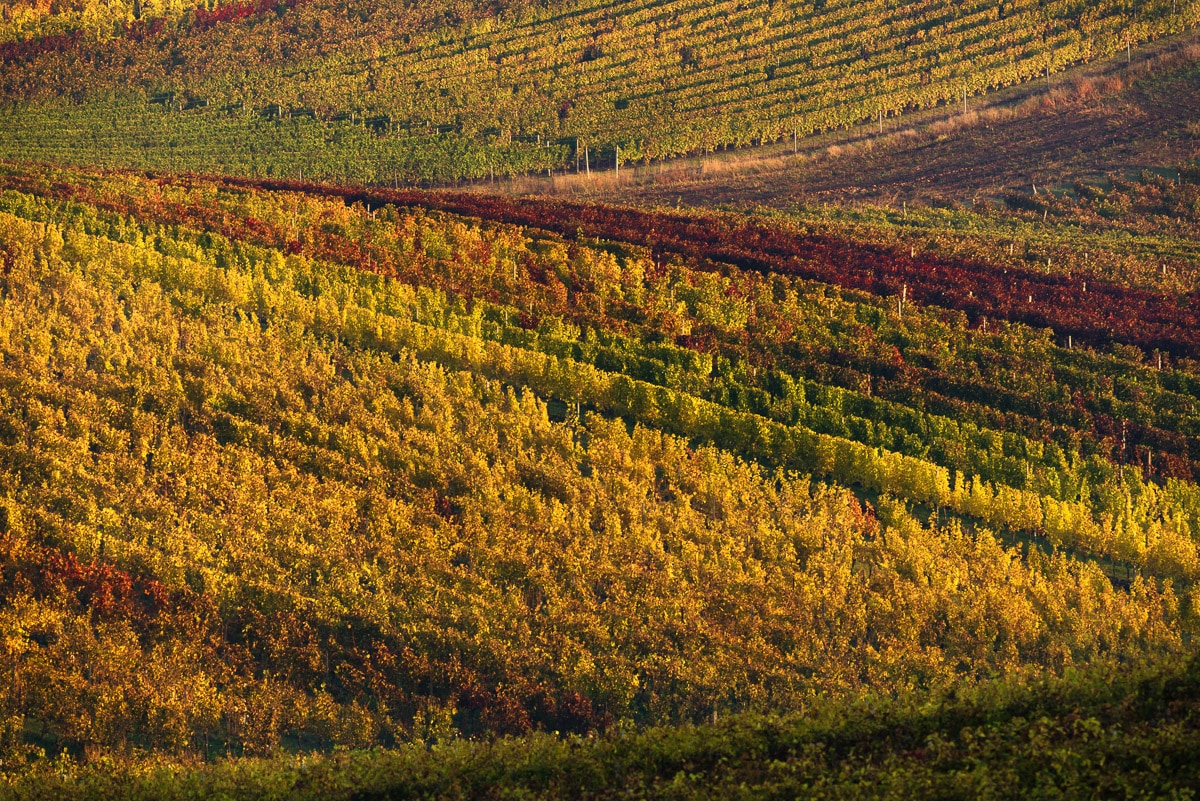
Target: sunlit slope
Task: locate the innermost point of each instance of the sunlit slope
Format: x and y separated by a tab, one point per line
399	95
278	472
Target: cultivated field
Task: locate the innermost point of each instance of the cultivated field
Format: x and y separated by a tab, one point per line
845	445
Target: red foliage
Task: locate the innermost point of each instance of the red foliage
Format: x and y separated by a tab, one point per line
99	587
108	591
29	49
445	507
141	30
1101	314
230	12
884	370
702	342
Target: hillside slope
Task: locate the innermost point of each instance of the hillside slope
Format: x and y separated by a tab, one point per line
318	485
1095	735
279	472
342	93
1110	120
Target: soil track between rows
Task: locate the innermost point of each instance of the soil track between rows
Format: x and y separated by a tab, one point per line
1103	119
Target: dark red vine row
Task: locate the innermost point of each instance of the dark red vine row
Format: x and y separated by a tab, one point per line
1092	312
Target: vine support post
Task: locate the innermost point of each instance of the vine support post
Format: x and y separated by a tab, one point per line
1124	436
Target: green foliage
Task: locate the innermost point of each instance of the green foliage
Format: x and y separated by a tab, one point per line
125	134
1067	490
446	91
1093	735
1151	244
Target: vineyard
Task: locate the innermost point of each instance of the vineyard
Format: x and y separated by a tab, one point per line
446	93
563	399
1003	741
1024	148
293	467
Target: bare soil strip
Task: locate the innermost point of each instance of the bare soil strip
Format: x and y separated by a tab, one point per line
1094	121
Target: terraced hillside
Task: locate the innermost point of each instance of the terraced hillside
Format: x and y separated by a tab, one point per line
443	92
